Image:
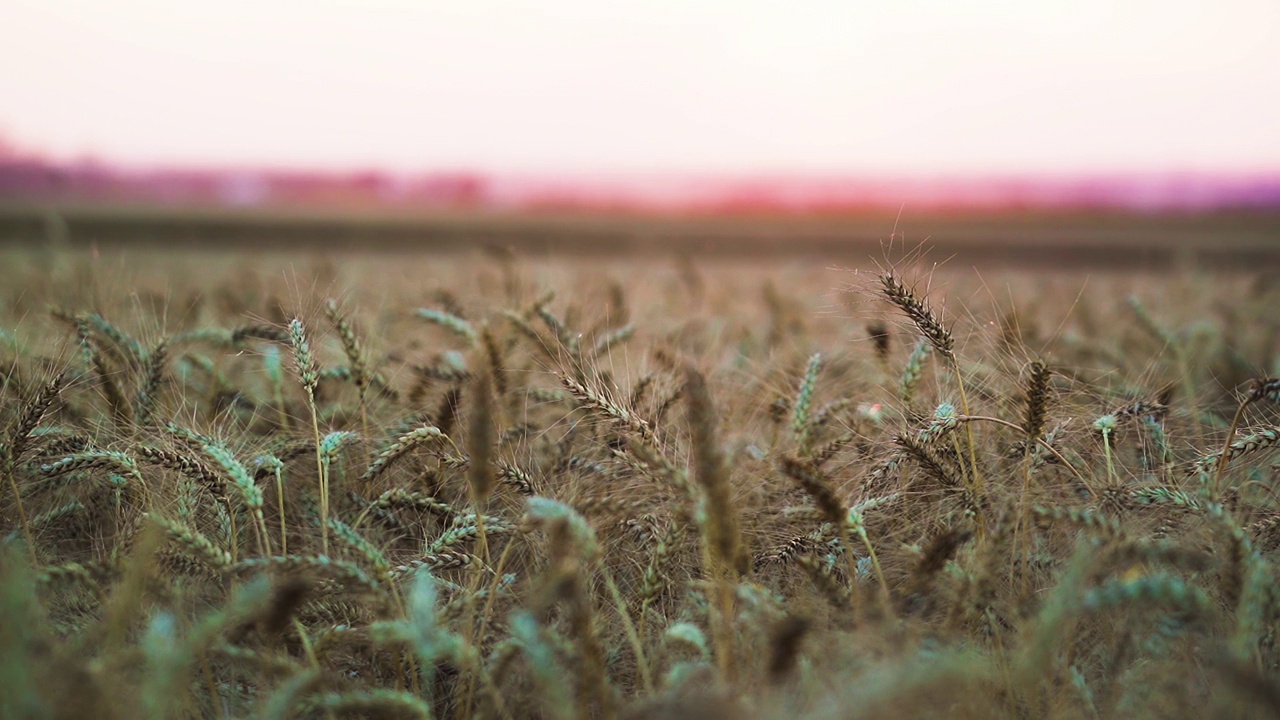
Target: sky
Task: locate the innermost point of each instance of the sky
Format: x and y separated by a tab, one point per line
603	86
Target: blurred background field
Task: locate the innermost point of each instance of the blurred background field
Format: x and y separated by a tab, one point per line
1097	240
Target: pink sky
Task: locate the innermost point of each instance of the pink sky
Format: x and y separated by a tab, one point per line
591	86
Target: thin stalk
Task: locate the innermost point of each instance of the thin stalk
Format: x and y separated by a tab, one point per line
854	597
308	650
875	562
235	534
323	469
1106	449
468	695
259	534
468	625
632	635
1226	447
284	535
968	429
1052	450
22	513
1024	507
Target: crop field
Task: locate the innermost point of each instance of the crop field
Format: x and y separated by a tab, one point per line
307	481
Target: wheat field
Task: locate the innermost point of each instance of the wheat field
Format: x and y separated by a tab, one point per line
486	485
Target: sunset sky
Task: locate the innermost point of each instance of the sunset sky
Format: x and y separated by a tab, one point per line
901	86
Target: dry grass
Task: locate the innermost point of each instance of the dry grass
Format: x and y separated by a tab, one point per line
288	487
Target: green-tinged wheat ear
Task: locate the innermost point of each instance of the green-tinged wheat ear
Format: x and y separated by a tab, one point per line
800	420
17	439
1162	456
238	476
1165	496
401	498
94	358
590	399
1093	521
654	582
195	543
331	445
303	359
1083	691
1169	591
50	517
309	376
367	550
607	341
153	375
54	440
945	419
435	561
29	418
423	630
126	350
189	438
450	322
418	437
467	527
351	347
547	512
380	702
71	574
912	371
1260	439
346	573
93	459
246	488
